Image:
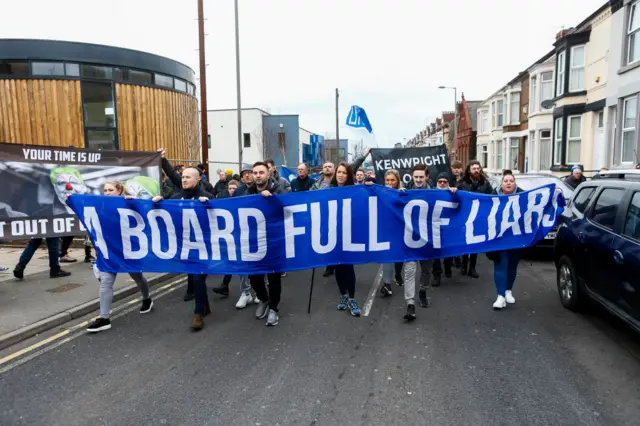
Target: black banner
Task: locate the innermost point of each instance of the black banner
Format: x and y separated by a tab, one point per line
36	180
436	158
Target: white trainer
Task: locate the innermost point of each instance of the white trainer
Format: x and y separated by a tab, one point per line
509	297
500	303
244	300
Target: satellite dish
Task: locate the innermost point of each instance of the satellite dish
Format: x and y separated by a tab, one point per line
547	104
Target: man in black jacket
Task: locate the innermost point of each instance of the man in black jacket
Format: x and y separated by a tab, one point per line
473	180
303	182
268	307
576	177
221	184
192	190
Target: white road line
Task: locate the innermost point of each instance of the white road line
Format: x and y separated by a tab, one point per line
372	293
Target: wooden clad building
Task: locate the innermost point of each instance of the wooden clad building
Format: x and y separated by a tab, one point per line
60	93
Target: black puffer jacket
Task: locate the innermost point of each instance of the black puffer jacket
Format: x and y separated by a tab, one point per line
483	186
192	194
272	186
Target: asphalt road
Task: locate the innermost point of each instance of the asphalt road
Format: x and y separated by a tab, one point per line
459	363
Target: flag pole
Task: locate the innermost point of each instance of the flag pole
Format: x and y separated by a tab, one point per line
313	275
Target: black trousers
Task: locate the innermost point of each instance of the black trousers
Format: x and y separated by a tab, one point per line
66	243
470	259
275	288
437	266
346	279
398	269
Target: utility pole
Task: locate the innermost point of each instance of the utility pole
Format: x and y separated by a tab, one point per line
337	126
203	88
238	89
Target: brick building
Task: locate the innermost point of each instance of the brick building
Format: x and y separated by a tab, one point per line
465	146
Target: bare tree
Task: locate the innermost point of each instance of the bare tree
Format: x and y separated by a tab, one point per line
358	149
262	143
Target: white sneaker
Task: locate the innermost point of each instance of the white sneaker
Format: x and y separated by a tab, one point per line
244	300
500	303
509	297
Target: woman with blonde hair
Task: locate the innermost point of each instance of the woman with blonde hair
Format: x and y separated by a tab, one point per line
391	180
108	279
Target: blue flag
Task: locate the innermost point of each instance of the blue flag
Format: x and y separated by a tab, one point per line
357	118
349	225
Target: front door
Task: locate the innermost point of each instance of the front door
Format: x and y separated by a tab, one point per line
599	150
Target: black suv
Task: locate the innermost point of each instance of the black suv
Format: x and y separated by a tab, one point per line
597	249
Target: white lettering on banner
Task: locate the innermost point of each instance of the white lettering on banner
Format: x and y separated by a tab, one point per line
69	221
437	221
407	163
536	208
469	236
332	228
30	227
224	233
189	222
156	234
513	206
58	225
82	157
127	233
2	224
423	212
374	244
17	228
492	221
37	154
245	249
550	219
347	234
93	225
290	229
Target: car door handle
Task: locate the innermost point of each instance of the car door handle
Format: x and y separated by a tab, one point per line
581	237
618	257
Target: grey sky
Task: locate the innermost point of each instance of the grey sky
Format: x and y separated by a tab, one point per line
386	56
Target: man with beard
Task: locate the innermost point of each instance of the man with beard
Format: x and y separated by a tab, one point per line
269	299
473	180
303	182
360	176
193	190
328	168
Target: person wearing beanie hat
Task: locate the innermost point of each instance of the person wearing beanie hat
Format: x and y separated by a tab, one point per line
442	182
576	177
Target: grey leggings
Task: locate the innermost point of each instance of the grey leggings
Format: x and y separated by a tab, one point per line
107	279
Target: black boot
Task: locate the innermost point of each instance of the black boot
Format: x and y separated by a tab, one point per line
463	268
328	272
57	273
437	279
411	313
447	272
188	296
222	289
424	300
472	272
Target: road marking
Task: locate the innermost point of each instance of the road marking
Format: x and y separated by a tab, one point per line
372	293
120	311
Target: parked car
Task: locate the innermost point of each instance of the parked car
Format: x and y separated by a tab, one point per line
597	250
528	181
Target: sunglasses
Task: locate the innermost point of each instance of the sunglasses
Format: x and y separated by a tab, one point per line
443	181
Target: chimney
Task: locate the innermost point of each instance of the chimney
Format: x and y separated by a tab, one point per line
562	33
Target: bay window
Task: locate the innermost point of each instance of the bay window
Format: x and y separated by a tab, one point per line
493	115
633	33
500	106
546	86
576	75
514	148
514	108
545	150
574	139
484	156
534	94
557	142
499	154
629	114
560	63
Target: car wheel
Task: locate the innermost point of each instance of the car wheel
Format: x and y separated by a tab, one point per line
568	287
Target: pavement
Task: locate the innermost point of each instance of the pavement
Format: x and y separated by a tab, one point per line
38	303
459	363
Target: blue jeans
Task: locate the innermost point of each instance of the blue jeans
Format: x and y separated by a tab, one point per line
199	282
505	271
53	244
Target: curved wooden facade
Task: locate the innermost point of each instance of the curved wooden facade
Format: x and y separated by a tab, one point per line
49	110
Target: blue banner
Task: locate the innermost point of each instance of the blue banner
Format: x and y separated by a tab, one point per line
290	175
349	225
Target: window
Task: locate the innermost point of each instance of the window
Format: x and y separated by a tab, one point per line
499	155
581	200
546	86
139	77
600	119
72	70
164	80
514	111
576	75
604	212
14	68
98	106
101	139
484	156
192	89
47	68
632	222
560	63
500	105
485	121
494	115
545	150
514	148
633	43
534	94
119	74
92	71
557	145
247	140
209	141
180	85
629	114
574	139
343	155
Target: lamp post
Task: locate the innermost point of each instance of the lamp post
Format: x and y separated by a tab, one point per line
281	144
455	110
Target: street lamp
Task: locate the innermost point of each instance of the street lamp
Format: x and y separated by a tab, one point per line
455	109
